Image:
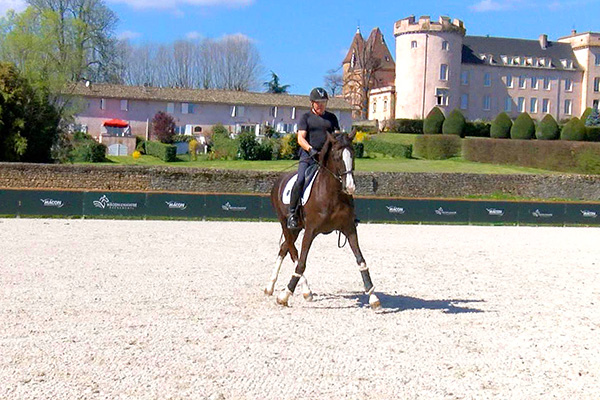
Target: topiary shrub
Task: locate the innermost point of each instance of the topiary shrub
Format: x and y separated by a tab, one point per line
573	130
501	125
434	121
395	150
592	133
193	149
586	113
405	125
437	147
547	129
454	124
359	149
523	128
477	128
166	152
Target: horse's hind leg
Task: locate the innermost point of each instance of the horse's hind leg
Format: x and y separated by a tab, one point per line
283	251
306	292
364	270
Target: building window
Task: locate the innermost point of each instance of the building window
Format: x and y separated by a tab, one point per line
441	96
444	72
413	44
594	105
487	102
521	104
546	83
533	104
187	108
597	60
546	106
568	107
522	82
385	105
596	85
464	78
445	45
487	79
102	104
464	101
374	106
237	111
353	60
273	112
509	81
507	104
534	82
124	105
171	108
293	112
568	85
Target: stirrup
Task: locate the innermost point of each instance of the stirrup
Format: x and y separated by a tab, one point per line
292	221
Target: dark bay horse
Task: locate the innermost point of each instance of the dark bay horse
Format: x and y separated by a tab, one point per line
330	207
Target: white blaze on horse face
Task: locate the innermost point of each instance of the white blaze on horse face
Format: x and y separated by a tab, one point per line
347	157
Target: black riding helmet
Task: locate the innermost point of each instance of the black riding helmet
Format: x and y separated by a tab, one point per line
318	94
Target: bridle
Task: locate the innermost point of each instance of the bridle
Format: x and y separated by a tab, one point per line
339	177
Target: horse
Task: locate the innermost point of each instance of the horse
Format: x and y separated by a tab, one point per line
330	207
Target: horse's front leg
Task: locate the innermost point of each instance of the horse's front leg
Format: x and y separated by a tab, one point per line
362	266
285	294
283	251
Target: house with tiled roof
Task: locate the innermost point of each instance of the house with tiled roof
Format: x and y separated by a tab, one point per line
194	110
438	65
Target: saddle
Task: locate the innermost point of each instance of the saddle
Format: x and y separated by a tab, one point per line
309	178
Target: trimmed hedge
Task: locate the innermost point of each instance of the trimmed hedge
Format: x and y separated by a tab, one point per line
573	130
523	127
434	121
166	152
437	147
592	133
477	128
454	124
89	151
586	114
565	156
390	149
547	129
405	125
501	125
359	149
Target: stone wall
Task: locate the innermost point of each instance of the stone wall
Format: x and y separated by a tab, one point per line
196	180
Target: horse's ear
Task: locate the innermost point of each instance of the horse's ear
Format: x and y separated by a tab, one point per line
330	137
352	133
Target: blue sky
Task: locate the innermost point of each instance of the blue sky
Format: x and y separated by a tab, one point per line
301	40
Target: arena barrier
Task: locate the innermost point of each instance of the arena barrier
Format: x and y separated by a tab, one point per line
58	203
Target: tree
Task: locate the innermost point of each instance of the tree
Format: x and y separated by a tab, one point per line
361	77
163	126
273	86
334	82
28	122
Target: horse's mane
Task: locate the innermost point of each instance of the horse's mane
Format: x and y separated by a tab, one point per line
341	138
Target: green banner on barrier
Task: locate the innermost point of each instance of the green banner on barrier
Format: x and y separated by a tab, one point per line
541	213
233	206
584	214
49	202
494	212
114	203
175	205
9	202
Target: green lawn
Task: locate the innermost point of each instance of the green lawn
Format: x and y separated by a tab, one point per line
364	164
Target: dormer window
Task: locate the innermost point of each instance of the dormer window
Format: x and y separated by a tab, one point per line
566	63
504	59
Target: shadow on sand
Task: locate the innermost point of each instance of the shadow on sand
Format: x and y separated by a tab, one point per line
397	303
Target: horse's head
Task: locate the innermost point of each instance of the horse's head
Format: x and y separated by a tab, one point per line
339	159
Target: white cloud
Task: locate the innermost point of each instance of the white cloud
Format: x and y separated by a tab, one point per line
490	5
17	5
238	36
173	4
193	35
128	35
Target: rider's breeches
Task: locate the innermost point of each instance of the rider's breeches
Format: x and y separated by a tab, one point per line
298	186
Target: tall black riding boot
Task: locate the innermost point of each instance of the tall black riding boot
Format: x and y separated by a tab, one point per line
292	219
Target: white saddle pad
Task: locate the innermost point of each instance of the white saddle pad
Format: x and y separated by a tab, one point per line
287	191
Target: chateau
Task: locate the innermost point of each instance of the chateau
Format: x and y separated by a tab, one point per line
438	65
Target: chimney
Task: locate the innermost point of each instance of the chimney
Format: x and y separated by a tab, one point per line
543	41
573	32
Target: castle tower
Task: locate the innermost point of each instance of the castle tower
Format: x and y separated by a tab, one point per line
428	65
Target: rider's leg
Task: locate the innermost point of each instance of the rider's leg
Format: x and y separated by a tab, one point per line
292	219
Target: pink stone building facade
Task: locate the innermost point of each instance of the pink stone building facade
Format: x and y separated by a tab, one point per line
438	65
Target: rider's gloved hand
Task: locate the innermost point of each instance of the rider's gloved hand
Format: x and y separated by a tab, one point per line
313	153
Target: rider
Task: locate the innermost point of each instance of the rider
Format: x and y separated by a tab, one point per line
312	134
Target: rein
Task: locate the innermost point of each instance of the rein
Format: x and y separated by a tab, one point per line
338	177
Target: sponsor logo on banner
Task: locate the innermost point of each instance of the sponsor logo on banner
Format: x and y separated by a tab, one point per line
588	214
104	202
441	211
496	212
52	203
176	205
538	214
395	210
228	207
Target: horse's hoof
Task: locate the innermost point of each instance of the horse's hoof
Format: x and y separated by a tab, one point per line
374	302
269	289
308	296
283	297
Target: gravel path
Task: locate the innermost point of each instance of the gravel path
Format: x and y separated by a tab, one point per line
100	309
